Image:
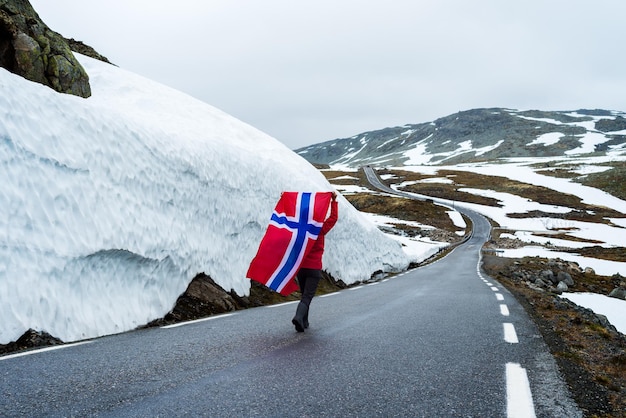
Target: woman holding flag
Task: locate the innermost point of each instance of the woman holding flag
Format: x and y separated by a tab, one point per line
310	272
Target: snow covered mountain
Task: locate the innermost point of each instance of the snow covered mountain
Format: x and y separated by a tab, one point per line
111	205
479	135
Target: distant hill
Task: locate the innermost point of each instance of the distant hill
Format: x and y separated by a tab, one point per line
479	135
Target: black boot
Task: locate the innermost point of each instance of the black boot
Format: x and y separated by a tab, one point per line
298	320
305	322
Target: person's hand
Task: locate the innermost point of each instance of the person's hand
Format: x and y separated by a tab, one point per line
334	195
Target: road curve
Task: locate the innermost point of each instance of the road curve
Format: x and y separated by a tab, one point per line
438	341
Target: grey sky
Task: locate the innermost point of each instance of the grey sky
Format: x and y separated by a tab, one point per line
307	72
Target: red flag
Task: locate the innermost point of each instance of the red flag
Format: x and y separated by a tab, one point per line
293	228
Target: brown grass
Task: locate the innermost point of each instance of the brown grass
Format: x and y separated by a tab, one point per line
580	211
612	254
567	238
402	208
331	175
562	173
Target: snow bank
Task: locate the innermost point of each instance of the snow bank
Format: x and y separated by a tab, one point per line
110	205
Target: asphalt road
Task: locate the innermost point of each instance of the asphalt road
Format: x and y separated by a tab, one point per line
438	341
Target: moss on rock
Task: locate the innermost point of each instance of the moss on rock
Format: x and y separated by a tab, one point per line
32	50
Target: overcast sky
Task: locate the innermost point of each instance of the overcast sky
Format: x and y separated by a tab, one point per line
310	71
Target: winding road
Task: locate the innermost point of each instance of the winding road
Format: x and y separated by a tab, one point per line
439	341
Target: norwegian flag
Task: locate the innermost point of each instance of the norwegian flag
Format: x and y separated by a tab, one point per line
292	230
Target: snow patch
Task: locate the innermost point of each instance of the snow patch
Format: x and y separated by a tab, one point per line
614	309
548	139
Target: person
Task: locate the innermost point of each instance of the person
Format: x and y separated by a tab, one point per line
310	272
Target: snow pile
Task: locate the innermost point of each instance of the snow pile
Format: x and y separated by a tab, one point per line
110	205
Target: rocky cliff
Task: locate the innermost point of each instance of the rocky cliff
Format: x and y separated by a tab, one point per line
29	48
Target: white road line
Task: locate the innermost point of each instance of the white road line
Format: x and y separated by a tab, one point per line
499	296
489	284
519	398
282	304
504	310
510	336
355	288
41	350
495	289
209	318
328	294
372	284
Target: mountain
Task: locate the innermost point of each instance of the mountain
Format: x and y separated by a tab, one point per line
110	205
479	135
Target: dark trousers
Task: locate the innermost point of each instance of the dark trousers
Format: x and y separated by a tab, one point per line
308	279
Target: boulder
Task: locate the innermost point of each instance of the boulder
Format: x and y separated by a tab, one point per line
202	298
619	293
565	277
548	276
604	322
32	50
30	339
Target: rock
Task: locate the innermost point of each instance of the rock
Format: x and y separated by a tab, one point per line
28	58
565	277
81	48
604	321
30	339
561	287
548	276
534	287
563	304
32	50
590	271
574	268
202	298
555	263
619	293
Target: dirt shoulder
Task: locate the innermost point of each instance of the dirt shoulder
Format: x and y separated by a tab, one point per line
590	354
